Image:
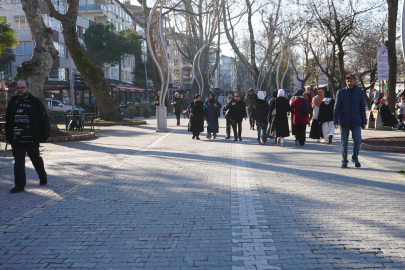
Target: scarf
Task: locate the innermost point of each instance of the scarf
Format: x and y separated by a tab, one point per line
318	99
304	106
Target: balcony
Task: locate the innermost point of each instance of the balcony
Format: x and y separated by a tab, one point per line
188	78
93	7
187	67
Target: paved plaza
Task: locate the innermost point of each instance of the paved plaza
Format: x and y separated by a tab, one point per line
136	199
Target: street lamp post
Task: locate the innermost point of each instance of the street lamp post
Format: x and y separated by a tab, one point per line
158	52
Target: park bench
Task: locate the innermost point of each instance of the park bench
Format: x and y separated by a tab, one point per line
375	121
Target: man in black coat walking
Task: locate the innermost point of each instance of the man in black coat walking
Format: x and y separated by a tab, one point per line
27	124
178	106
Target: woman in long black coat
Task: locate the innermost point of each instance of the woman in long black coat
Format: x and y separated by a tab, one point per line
271	130
212	110
196	115
282	107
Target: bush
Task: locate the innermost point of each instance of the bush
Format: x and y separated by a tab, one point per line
130	110
145	108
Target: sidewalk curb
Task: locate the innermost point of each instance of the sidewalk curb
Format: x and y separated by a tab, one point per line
83	137
121	123
382	148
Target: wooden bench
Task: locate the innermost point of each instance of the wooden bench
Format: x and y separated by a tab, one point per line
375	121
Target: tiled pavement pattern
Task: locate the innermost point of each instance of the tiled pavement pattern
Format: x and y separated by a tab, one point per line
133	198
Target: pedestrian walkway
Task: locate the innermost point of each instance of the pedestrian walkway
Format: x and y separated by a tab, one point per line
134	198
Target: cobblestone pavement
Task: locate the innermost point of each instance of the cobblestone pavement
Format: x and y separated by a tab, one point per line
133	198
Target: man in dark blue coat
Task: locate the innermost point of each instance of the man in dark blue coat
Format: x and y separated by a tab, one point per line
350	114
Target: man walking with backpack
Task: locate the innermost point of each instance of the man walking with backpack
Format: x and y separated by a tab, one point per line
27	124
350	114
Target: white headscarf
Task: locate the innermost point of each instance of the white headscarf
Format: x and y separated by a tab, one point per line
281	93
261	95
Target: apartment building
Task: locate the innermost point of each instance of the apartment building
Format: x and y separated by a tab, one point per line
57	85
228	73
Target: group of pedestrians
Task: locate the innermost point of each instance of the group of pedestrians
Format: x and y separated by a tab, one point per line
271	118
210	111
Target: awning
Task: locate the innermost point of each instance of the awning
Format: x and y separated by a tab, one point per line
128	88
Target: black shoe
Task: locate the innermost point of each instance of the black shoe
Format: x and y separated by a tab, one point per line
215	136
344	165
198	138
330	139
227	137
240	138
43	182
178	124
193	137
356	163
16	190
235	139
253	128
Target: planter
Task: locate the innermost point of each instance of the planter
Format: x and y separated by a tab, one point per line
147	114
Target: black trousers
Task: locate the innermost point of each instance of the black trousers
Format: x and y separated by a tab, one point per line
178	117
401	119
19	151
252	122
228	128
237	129
300	132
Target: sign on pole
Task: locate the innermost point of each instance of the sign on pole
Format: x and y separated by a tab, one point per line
382	63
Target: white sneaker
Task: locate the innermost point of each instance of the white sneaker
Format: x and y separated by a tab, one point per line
318	141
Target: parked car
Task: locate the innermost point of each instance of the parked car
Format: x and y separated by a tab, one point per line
59	106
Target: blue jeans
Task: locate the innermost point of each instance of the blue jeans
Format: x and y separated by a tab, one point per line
261	131
356	136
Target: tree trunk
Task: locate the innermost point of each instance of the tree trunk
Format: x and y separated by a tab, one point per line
36	69
94	76
392	56
341	55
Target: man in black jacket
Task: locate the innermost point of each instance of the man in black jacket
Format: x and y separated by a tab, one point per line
177	104
249	98
27	124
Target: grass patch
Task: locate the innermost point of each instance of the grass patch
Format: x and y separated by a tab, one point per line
401	171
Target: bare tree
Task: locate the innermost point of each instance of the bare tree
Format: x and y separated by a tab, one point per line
93	75
36	69
392	54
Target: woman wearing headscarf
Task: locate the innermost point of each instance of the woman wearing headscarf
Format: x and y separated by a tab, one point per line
326	117
260	112
238	113
212	110
196	115
271	130
282	107
300	111
316	128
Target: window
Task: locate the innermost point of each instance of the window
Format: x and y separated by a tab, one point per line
61	48
20	22
176	72
176	62
176	52
24	48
